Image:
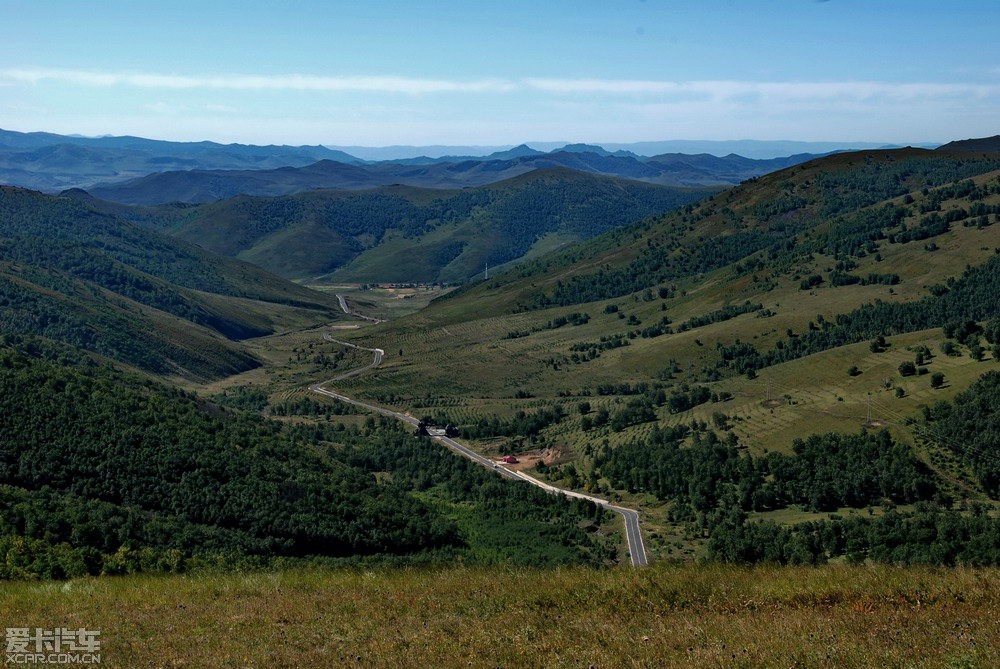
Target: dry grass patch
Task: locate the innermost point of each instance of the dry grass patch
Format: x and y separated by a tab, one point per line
666	616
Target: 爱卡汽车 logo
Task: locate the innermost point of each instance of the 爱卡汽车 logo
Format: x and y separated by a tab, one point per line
57	645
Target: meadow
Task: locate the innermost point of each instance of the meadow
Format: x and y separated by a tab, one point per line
664	616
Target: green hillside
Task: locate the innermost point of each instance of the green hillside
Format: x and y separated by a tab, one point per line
693	349
403	234
73	274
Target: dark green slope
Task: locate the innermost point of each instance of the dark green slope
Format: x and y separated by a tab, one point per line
398	233
74	274
182	483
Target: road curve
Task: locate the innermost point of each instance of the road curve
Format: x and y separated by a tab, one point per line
356	314
633	535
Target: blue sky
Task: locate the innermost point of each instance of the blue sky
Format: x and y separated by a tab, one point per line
377	73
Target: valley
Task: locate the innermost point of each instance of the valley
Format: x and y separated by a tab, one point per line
500	335
679	373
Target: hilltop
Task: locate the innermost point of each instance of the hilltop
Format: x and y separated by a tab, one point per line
980	145
666	616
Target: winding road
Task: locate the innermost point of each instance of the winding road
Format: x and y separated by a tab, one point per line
633	536
356	314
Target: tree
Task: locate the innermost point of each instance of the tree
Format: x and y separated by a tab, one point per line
937	380
992	331
907	369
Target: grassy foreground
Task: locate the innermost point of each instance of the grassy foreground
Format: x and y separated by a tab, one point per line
665	616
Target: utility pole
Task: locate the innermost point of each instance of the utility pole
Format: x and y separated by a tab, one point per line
487	270
869	421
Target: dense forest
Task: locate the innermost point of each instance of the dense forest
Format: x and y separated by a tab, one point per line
65	234
970	426
698	472
102	473
929	534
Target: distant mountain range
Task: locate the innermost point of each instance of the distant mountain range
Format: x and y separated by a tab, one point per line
749	148
199	186
51	162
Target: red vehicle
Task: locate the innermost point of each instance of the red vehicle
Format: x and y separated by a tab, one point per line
510	459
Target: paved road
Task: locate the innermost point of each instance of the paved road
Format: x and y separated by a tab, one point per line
343	304
636	548
356	314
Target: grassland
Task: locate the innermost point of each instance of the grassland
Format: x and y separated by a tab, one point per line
665	616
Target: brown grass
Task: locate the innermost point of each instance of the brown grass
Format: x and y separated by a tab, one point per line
666	616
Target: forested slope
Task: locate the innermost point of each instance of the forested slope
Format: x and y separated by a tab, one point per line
74	274
179	483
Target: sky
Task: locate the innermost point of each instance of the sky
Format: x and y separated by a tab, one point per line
494	73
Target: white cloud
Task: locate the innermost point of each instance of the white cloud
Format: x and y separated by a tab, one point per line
501	110
724	90
298	82
717	90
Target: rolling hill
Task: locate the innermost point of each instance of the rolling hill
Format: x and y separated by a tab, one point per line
403	234
75	275
200	186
